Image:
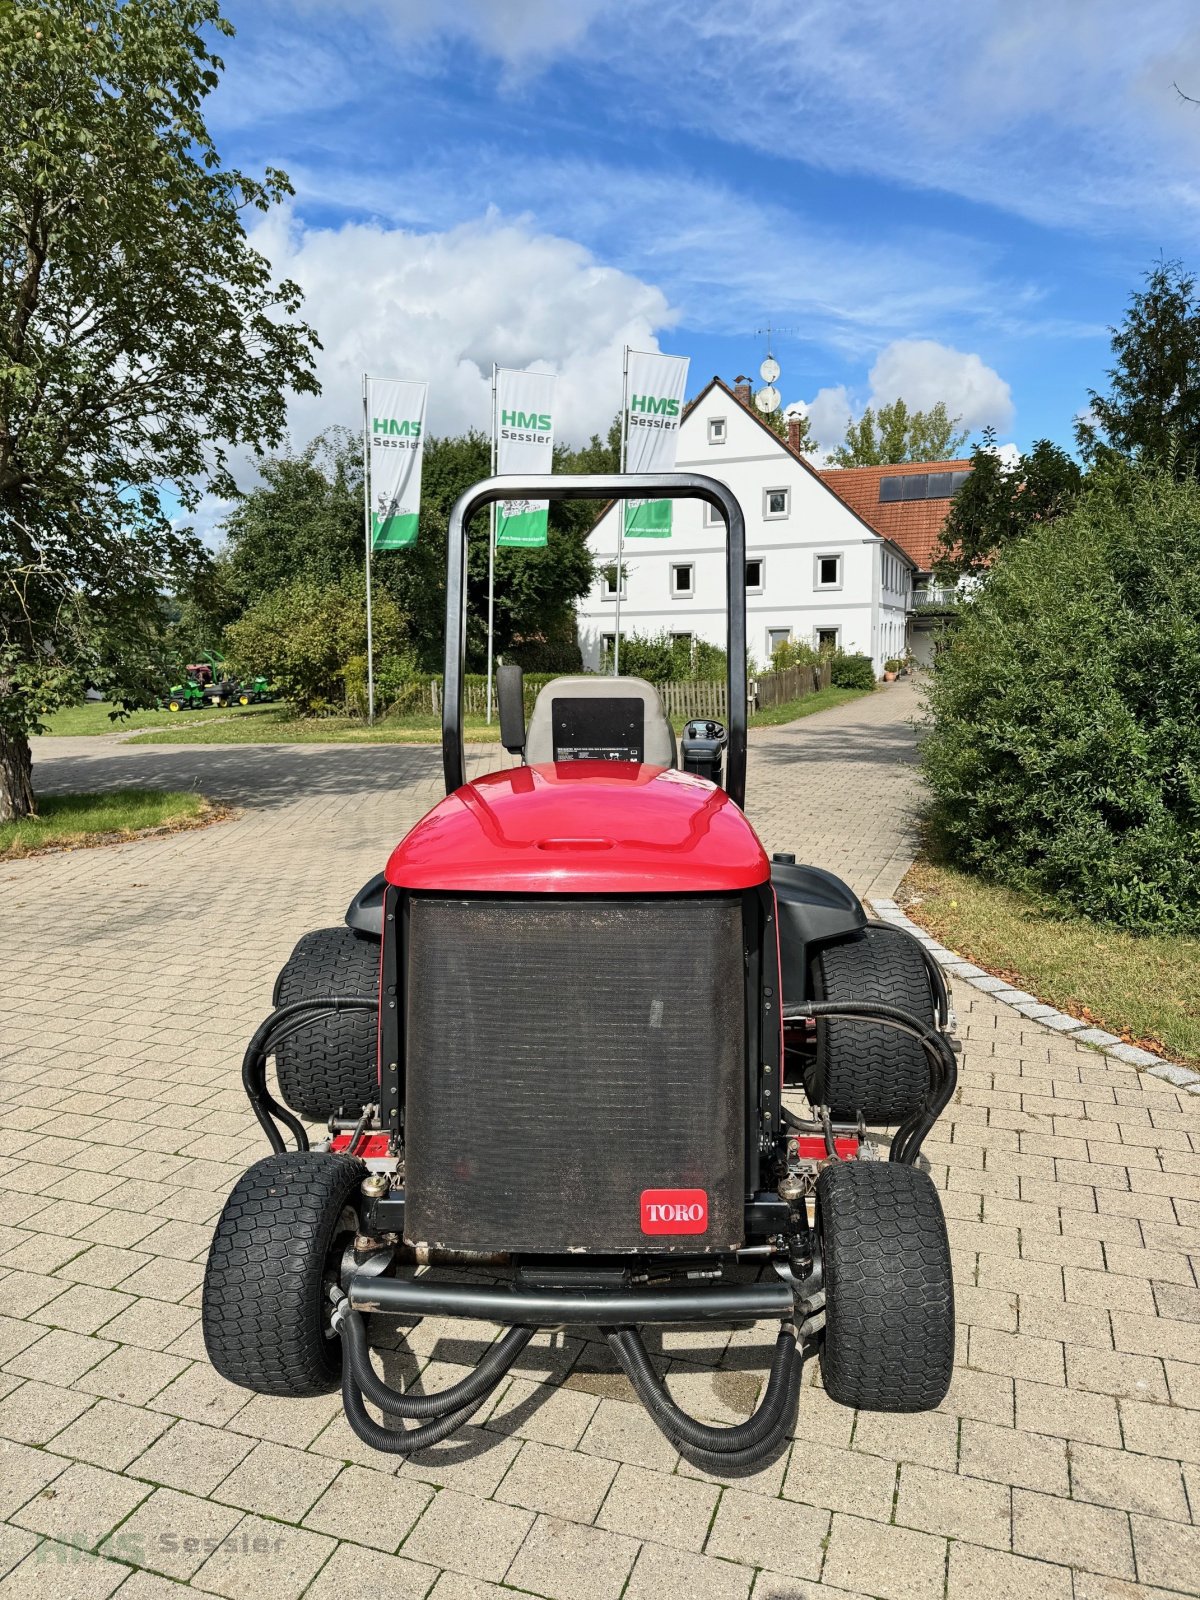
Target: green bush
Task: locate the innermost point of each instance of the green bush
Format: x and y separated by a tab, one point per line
851	672
659	658
1065	752
793	653
306	636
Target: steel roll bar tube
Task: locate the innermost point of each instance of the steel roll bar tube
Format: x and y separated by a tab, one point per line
619	486
548	1308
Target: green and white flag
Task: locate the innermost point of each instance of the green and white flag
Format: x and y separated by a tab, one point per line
654	389
395	423
524	421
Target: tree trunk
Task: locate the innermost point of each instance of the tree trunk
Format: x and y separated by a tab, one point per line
16	777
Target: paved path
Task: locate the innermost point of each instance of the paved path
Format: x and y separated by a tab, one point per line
1065	1464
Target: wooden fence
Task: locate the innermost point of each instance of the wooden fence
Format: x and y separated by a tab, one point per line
689	697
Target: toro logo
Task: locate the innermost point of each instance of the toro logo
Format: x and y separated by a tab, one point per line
674	1211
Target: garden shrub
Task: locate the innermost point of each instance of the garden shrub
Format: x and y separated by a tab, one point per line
1065	751
851	672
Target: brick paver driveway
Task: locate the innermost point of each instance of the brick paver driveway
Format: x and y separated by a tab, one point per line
1065	1463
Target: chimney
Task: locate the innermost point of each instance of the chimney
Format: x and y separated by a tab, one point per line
795	426
741	388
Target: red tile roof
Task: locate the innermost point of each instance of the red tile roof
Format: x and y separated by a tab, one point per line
912	524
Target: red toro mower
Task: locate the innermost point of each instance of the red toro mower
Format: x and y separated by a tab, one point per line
551	1047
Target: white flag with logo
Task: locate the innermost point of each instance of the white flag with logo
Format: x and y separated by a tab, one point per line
654	394
524	448
396	432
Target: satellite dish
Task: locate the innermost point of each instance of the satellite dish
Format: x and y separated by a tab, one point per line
767	399
769	370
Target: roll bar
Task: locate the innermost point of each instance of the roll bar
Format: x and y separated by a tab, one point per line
597	486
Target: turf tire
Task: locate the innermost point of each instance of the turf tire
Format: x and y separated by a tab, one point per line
889	1290
265	1307
864	1066
329	1064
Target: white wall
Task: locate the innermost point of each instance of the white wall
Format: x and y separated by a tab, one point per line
867	607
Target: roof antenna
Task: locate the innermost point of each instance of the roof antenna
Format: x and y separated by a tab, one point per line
767	399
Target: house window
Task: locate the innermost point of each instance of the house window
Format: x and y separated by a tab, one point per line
681	580
716	430
828	638
827	572
754	575
608	583
712	517
777	637
776	504
608	643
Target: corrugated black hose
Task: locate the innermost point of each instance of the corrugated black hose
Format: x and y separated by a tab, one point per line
728	1452
447	1410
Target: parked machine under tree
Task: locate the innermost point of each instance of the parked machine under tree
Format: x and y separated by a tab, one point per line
551	1045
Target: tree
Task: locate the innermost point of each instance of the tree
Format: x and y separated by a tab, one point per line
902	435
141	341
304	635
1000	503
1152	410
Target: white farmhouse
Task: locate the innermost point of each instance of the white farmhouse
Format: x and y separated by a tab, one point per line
815	571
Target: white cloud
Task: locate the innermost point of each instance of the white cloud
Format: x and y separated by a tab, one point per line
922	372
443	306
828	414
514	30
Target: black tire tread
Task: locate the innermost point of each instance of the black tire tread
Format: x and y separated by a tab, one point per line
889	1288
329	1064
263	1300
864	1066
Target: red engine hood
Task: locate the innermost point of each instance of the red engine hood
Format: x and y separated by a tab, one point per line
592	827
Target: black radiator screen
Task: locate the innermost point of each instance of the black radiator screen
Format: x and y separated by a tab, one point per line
566	1058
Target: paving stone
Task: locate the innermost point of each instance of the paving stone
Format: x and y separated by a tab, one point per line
1113	1372
752	1529
621	1431
63	1570
261	1558
1129	1482
60	1357
842	1480
1004	1455
562	1483
351	1570
191	1456
674	1511
110	1434
979	1574
372	1508
1167	1431
81	1506
660	1571
1167	1552
277	1481
1071	1414
131	1374
959	1507
563	1561
171	1533
1095	1538
893	1563
15	1545
476	1537
34	1412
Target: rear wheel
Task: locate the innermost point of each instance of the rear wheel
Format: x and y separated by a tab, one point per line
889	1291
173	705
864	1066
329	1064
275	1255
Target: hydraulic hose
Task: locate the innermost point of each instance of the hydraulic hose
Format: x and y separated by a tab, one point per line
271	1033
494	1365
741	1448
943	1068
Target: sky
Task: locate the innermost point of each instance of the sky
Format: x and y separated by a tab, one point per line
922	198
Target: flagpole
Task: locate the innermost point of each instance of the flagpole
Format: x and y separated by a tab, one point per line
492	560
620	509
367	537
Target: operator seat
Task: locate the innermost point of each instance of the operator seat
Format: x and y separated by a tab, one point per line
605	719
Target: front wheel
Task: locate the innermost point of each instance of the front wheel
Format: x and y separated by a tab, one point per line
329	1064
278	1245
889	1289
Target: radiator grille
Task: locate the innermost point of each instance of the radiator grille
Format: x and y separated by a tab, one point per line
563	1056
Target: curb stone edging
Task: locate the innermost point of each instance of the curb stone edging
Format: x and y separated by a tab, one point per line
1029	1006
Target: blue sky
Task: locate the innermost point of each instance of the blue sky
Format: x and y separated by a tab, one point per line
934	199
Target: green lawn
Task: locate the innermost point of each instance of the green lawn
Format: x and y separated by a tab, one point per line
1145	989
66	822
93	717
276	725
